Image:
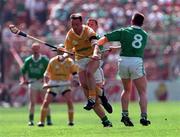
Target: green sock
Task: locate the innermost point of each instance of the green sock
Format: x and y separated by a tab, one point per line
125	113
31	117
104	119
48	118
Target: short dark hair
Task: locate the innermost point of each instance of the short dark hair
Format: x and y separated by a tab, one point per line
138	19
76	16
93	19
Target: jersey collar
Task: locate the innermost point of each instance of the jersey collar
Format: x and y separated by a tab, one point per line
36	60
136	27
83	26
62	62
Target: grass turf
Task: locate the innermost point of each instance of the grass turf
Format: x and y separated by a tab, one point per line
164	118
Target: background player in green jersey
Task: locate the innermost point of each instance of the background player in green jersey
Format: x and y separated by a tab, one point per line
32	73
133	41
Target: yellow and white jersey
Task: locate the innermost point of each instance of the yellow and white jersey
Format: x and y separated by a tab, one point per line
80	44
57	70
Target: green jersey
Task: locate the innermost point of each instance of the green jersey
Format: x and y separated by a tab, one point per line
35	68
133	40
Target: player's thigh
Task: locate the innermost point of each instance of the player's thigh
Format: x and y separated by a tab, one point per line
68	96
141	84
127	84
99	76
48	98
32	95
82	78
92	66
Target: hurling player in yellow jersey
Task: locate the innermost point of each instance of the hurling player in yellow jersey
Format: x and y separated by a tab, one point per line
57	77
81	39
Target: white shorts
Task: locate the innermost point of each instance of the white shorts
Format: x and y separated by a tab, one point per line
62	85
35	84
82	63
131	67
98	75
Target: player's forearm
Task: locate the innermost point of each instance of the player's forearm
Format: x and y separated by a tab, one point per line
96	47
96	50
102	41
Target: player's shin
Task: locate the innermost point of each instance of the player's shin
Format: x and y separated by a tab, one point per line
99	91
71	117
92	95
43	114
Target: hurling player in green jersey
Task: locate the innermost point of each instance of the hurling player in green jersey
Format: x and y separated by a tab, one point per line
133	40
32	73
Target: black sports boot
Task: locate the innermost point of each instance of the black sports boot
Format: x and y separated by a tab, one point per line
145	121
127	122
70	124
90	104
107	123
105	103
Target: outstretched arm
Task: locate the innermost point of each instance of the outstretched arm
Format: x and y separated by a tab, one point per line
102	41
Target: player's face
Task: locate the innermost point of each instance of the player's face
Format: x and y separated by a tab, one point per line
36	49
76	24
92	24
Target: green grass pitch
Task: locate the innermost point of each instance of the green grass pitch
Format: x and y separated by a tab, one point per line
165	119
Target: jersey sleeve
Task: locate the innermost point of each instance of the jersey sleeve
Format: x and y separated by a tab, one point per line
24	67
91	34
116	35
46	60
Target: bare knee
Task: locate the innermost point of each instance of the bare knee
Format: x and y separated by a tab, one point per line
32	104
69	103
126	92
45	104
142	94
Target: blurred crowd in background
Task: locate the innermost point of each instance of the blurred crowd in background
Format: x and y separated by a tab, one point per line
49	21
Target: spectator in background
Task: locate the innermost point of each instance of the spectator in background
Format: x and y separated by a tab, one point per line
175	63
5	97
